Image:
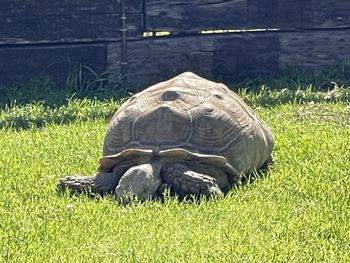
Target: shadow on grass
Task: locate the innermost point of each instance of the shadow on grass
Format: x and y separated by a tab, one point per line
40	102
46	92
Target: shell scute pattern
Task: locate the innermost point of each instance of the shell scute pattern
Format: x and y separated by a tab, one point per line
195	114
212	131
120	130
163	126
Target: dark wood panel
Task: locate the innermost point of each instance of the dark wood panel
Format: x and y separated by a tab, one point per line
221	57
227	57
61	28
284	14
45	7
307	13
22	64
330	13
315	50
216	56
195	15
181	15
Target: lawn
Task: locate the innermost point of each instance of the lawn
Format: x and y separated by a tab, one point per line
298	212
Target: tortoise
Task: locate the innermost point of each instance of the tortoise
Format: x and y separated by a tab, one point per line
187	134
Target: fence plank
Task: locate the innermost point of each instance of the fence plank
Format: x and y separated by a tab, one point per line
308	13
330	13
44	7
196	15
228	57
315	50
25	63
181	15
151	60
213	56
66	28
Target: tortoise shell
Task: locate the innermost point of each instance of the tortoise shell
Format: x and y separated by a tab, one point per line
188	117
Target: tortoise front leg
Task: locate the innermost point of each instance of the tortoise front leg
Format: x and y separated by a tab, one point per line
101	183
76	184
185	182
140	181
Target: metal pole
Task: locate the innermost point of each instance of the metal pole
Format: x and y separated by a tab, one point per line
123	30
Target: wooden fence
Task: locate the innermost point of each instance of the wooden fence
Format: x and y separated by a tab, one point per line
50	38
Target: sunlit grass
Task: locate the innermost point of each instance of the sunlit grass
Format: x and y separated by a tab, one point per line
300	212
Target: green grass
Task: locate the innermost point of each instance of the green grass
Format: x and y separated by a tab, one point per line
299	212
37	114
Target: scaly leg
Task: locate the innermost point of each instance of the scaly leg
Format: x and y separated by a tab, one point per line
185	182
101	183
140	182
